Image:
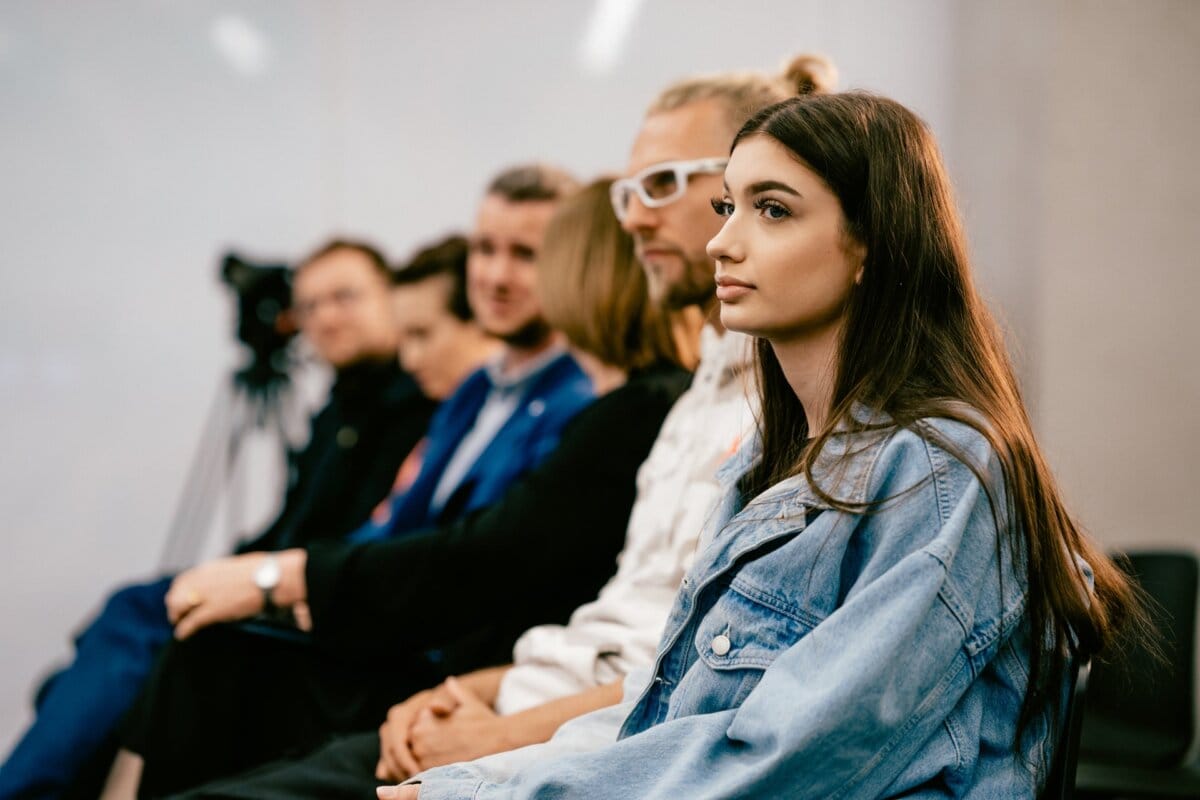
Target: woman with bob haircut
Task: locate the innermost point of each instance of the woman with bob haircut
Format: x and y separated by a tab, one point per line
894	592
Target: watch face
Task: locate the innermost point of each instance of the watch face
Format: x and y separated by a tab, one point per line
267	575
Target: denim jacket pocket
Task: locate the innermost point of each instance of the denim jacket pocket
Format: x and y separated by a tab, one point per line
735	642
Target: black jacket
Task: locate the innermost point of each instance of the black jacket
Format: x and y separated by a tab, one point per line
374	417
547	547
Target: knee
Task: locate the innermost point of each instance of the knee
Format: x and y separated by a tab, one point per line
140	601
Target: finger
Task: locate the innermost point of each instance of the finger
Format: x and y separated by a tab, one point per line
303	616
394	751
389	767
400	717
404	754
397	792
183	630
195	619
176	608
180	600
173	591
443	701
461	694
384	767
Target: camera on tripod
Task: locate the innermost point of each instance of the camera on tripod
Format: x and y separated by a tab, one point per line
265	324
258	397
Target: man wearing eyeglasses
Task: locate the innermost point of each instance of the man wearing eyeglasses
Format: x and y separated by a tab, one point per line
666	237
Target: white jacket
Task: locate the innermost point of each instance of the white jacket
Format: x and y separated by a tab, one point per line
677	490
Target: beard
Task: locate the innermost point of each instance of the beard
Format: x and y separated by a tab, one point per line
696	287
531	334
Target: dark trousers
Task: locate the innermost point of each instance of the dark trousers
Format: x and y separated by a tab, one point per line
69	748
345	768
229	700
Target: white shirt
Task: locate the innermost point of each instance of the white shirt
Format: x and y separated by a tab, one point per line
677	490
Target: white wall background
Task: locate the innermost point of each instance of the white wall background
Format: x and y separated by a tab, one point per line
140	138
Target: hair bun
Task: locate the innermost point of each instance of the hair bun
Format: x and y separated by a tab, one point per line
810	73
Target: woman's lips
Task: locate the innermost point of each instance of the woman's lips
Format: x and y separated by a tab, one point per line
729	288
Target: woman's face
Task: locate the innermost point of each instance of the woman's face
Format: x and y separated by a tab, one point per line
785	267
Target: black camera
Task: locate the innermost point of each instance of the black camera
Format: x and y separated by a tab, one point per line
265	324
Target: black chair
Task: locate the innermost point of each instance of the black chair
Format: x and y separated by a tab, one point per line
1060	783
1139	719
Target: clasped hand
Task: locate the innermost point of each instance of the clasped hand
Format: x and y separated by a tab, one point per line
439	726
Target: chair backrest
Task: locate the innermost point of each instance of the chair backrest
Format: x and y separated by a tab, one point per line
1060	783
1140	711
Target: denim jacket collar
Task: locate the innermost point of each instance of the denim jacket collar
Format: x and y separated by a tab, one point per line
840	472
786	508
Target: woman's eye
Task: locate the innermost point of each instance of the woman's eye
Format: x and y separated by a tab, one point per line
772	209
722	207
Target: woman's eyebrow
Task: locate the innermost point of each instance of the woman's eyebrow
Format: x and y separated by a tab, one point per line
765	186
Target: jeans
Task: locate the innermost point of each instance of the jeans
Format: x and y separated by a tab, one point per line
80	707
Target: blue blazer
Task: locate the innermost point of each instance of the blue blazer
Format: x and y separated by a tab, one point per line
554	397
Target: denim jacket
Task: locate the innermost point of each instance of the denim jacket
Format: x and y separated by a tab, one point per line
817	653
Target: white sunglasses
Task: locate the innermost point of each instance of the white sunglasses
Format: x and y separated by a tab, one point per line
660	184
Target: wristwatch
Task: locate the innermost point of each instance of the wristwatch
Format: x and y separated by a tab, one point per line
266	577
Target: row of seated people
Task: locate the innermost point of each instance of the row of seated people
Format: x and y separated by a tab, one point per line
815	593
516	348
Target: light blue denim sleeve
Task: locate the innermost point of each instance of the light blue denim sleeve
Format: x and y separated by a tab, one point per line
844	711
587	733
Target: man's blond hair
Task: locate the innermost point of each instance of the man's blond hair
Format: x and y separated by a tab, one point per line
743	94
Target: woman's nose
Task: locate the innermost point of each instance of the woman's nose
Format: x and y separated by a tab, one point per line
724	246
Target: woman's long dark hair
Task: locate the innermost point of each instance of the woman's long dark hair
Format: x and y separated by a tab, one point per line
918	342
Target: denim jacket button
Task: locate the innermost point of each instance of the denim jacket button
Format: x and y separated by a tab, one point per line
720	644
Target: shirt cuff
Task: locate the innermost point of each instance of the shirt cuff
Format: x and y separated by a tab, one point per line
453	782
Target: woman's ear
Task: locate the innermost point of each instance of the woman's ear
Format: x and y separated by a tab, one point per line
857	252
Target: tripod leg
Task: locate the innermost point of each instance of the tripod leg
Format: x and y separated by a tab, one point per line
201	484
234	484
265	410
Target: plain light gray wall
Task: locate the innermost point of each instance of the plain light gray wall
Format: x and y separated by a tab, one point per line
132	154
1076	125
1116	325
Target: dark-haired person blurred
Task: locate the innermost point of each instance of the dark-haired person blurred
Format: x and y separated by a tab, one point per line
441	342
233	685
374	415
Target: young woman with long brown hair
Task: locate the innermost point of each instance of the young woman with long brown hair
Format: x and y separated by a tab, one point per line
894	590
